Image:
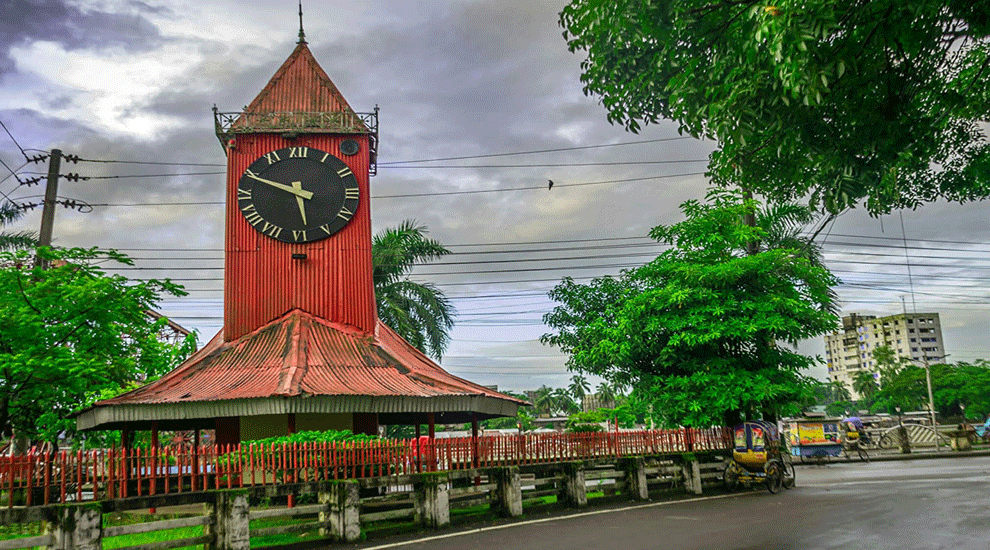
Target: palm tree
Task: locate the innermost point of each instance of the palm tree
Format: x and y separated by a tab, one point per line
865	384
783	226
419	312
543	400
563	402
9	212
836	391
605	395
579	388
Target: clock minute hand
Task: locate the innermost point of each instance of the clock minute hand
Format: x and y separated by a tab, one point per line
288	188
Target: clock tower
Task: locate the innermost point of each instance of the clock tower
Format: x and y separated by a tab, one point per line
298	231
302	347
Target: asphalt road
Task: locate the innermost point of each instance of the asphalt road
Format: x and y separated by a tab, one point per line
918	504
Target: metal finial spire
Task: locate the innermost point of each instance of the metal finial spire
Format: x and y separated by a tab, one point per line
302	35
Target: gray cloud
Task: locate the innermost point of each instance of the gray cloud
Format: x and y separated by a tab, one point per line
25	21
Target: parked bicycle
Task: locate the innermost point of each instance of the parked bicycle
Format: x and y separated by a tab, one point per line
854	439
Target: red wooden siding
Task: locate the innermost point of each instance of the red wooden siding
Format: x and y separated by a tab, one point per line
261	280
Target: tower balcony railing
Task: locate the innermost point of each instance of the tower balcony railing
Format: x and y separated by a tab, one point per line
293	123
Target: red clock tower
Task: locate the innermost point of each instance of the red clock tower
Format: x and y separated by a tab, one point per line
329	277
302	347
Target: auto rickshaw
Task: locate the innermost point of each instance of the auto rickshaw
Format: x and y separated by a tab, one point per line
757	458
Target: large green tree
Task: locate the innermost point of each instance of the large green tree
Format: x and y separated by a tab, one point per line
72	331
952	385
9	212
844	100
696	331
419	312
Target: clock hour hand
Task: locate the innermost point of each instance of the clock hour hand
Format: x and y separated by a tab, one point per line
300	201
301	193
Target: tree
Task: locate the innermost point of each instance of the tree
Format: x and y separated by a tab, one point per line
605	393
564	402
523	420
72	331
866	386
579	388
9	212
845	101
784	226
952	385
695	331
419	312
543	401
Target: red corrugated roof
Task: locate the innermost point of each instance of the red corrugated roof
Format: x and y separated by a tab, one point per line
300	85
302	355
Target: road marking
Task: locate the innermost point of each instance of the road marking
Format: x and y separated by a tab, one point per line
547	520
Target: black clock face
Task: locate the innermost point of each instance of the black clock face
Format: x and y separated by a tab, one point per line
298	194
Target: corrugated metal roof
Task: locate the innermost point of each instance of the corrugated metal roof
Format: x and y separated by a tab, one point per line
302	97
302	355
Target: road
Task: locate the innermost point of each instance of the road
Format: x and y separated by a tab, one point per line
919	504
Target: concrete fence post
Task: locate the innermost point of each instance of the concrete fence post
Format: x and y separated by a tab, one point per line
691	469
431	496
231	527
78	527
508	492
574	491
341	516
636	486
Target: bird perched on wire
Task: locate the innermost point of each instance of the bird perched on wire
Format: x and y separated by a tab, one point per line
551	184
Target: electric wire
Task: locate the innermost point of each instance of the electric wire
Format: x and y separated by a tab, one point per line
15	141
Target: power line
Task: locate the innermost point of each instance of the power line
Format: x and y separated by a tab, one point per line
15	141
560	165
398	162
538	151
435	194
104	161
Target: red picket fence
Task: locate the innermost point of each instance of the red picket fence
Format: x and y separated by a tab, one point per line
36	479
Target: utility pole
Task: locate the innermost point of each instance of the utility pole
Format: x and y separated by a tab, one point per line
931	399
51	195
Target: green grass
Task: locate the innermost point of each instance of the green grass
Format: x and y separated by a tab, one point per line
111	543
21	530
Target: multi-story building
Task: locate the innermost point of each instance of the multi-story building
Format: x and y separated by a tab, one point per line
917	336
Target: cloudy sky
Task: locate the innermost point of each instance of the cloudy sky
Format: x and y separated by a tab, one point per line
481	105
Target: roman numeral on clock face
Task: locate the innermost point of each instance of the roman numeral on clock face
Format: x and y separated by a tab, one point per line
251	214
351	193
298	152
271	230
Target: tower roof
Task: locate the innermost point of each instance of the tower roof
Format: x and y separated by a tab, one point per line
299	98
300	85
332	367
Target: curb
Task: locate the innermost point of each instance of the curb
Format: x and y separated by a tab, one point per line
900	457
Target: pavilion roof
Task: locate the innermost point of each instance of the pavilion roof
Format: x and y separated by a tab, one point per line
301	363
